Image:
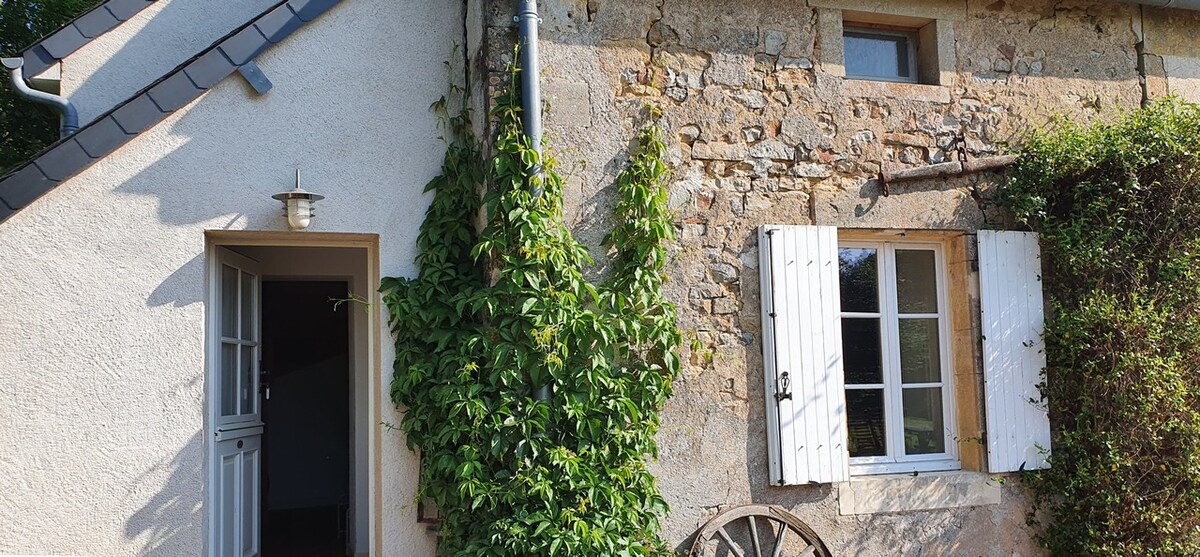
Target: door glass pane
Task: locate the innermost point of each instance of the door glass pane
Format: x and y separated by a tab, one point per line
228	379
862	356
920	351
229	301
876	55
858	268
248	394
916	281
247	306
924	428
868	434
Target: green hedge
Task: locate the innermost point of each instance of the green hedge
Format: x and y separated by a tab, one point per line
1118	208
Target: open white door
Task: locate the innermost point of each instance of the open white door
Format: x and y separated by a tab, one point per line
237	462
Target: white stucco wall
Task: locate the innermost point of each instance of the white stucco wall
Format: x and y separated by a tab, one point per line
102	450
119	63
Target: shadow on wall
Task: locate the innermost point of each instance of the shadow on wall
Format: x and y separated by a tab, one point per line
157	46
171	522
182	288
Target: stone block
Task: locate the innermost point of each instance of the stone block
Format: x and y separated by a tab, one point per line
774	150
774	41
570	103
719	151
730	70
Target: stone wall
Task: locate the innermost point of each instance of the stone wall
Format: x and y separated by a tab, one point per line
763	129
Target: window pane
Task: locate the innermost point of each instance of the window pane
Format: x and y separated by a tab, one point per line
228	379
877	55
247	306
247	383
229	301
920	351
862	357
868	433
924	429
916	281
858	268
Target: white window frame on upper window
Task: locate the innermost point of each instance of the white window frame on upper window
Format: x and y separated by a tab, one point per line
895	432
912	42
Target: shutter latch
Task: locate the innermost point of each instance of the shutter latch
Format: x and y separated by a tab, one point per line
783	391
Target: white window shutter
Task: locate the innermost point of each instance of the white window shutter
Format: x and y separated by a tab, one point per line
1018	426
802	338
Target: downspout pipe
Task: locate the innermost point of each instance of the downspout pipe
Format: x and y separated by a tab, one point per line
527	21
69	117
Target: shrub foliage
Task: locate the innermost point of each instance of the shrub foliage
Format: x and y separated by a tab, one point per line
1117	208
494	315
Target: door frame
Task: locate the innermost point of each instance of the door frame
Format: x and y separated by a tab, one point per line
216	239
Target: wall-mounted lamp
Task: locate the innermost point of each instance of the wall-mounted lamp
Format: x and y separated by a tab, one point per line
298	205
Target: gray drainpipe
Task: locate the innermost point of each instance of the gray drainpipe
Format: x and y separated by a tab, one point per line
69	117
531	89
527	21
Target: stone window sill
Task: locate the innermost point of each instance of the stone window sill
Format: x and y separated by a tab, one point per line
925	492
896	90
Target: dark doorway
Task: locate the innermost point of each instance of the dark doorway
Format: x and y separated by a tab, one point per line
306	408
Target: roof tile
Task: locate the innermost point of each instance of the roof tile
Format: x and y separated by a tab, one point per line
96	22
65	41
309	10
174	92
63	161
244	46
25	185
209	69
278	24
125	9
102	137
37	60
138	115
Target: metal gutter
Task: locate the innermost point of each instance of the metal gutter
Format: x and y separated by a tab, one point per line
69	117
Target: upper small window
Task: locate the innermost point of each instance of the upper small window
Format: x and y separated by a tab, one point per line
880	54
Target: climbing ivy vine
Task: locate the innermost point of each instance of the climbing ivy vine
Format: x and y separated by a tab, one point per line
493	315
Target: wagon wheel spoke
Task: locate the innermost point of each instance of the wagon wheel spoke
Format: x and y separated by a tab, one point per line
738	530
754	536
732	546
779	540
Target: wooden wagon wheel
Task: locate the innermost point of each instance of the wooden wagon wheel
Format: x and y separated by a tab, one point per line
757	531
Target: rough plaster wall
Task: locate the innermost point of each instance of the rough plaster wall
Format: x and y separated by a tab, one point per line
1171	51
102	328
759	132
121	62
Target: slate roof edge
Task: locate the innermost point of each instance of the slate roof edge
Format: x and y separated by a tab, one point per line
52	48
146	108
